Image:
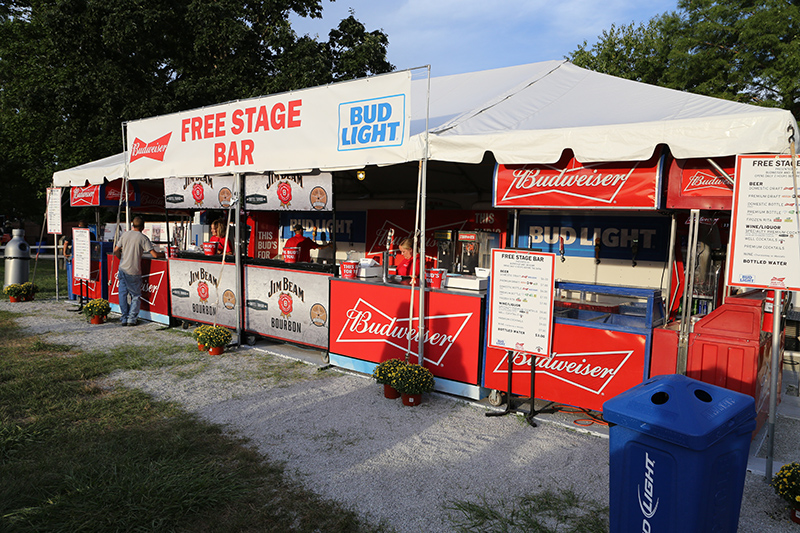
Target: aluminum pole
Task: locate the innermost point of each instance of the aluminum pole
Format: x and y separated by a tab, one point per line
773	382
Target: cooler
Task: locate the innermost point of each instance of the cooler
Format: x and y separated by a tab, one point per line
678	455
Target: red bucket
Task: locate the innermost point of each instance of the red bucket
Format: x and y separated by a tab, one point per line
349	269
172	251
290	255
434	277
210	248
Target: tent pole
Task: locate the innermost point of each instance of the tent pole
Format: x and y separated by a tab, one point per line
673	232
238	255
422	225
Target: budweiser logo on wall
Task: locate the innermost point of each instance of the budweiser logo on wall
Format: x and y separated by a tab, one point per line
153	150
700	180
590	371
570	183
366	323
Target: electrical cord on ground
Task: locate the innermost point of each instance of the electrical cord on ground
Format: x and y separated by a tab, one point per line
591	419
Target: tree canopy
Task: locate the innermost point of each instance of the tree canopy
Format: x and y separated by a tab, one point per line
71	71
742	50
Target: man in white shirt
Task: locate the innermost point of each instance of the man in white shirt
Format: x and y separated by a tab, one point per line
130	248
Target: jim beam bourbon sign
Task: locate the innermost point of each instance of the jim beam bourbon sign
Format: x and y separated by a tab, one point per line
202	291
289	192
372	323
203	192
287	304
571	184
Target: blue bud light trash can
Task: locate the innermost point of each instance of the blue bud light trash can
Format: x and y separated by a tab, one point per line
678	456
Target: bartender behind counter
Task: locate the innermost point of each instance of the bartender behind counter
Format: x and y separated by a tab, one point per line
218	236
404	267
304	245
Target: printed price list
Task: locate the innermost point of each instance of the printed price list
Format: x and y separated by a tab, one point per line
765	249
521	307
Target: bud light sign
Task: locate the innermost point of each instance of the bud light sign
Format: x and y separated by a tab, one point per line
373	123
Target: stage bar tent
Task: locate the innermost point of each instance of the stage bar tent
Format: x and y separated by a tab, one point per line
524	114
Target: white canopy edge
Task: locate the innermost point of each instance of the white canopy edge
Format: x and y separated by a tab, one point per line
95	172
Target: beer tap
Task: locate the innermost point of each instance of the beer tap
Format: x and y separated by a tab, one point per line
634	250
561	247
597	251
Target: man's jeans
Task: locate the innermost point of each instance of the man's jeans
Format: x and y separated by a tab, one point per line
129	285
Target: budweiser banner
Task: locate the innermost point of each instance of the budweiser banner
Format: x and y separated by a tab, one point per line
571	184
347	124
84	196
287	304
586	367
203	291
204	192
155	287
371	322
697	184
289	192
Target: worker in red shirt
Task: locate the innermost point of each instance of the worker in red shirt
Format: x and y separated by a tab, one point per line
304	245
218	236
406	255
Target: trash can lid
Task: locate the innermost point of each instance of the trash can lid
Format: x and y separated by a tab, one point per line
681	410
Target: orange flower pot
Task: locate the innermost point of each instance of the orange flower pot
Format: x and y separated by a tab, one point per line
390	392
216	350
411	399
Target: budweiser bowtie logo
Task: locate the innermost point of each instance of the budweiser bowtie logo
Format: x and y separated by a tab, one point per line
367	323
704	180
590	371
591	182
153	150
151	284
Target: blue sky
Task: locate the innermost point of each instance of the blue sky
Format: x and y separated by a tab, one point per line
456	36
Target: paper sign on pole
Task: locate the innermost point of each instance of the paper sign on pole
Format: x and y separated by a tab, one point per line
521	307
82	253
346	124
54	210
765	252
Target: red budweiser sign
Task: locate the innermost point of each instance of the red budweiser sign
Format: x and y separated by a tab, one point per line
573	374
372	323
84	196
153	150
571	184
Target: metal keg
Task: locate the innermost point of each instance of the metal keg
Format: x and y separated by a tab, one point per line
18	259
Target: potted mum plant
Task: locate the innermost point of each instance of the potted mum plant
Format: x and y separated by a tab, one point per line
97	310
199	334
787	485
29	290
385	372
411	381
216	338
15	292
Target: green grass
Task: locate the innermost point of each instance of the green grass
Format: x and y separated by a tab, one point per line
77	457
549	511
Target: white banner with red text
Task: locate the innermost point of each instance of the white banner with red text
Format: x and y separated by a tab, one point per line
346	124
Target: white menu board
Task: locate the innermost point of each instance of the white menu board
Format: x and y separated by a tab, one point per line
521	306
54	210
82	253
765	252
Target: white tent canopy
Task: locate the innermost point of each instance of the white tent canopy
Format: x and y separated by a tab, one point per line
109	168
532	113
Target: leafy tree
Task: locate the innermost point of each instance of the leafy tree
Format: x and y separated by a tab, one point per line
743	50
72	71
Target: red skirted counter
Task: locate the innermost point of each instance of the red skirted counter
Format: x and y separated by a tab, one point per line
155	289
371	321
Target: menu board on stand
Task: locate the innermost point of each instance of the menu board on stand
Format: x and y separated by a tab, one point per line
521	309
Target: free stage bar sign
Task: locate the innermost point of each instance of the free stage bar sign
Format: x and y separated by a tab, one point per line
521	307
765	232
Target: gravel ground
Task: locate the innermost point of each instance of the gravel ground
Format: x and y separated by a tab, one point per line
336	433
